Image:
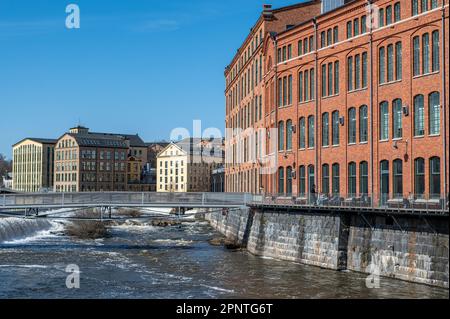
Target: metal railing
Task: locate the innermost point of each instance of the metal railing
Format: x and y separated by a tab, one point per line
388	202
143	199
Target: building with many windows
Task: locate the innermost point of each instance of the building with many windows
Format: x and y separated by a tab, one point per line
186	166
87	161
359	98
33	165
244	91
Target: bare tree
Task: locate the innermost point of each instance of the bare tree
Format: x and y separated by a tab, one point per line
5	165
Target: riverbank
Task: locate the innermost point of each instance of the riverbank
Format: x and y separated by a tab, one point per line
407	248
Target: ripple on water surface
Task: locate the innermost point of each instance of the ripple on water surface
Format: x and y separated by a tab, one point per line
173	262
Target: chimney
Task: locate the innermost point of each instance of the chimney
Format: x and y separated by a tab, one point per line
267	12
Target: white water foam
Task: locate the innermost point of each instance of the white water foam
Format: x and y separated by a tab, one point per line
24	266
15	229
177	242
217	288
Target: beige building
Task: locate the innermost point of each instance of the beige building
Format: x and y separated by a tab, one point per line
186	166
33	165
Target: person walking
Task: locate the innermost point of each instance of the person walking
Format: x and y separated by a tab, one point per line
313	194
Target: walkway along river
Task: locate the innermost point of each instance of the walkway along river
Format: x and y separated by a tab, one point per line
141	261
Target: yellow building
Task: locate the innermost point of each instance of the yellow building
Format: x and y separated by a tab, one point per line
186	166
33	165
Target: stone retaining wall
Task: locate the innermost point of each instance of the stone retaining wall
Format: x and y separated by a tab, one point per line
408	248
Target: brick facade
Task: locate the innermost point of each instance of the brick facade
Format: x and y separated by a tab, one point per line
401	89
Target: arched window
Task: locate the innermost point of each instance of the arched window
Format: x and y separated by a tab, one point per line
311	131
363	123
416	55
435	51
434	4
363	178
322	39
302	133
419	176
289	135
398	178
434	115
281	181
335	34
388	15
398	60
325	179
300	86
425	53
281	136
289	180
397	118
390	62
397	12
419	116
384	120
435	177
424	5
351	179
381	65
352	125
335	128
335	179
325	129
302	180
415	7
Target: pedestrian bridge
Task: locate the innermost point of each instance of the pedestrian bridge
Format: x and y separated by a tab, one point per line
38	202
45	201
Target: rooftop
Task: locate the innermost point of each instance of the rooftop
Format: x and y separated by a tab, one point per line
38	140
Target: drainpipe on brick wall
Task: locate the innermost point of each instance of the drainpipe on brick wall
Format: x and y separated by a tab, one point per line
316	120
444	104
275	72
369	3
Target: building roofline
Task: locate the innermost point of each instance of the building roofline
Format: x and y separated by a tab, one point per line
335	10
166	147
38	140
261	19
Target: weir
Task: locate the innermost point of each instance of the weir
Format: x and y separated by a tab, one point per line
17	228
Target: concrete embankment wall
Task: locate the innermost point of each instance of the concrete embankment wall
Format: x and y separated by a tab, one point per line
408	247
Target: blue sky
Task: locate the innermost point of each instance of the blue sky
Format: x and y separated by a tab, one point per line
134	66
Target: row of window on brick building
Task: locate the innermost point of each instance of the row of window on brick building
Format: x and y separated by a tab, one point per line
425	61
390	116
306	179
389	68
250	78
386	16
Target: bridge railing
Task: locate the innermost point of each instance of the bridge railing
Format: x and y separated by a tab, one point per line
125	198
391	202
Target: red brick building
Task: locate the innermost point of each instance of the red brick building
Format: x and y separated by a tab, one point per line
359	101
245	92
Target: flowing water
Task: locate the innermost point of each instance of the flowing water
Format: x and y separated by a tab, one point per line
171	262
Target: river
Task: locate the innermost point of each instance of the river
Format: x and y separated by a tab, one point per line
172	262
